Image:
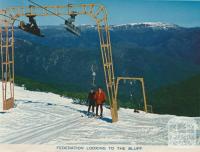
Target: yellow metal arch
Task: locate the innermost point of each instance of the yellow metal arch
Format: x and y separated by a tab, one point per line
137	79
96	11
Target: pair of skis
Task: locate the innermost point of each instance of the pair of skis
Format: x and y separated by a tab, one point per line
92	115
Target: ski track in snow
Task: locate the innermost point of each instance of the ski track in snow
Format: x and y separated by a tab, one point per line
47	118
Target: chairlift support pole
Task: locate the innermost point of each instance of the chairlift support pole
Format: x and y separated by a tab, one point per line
93	75
7	62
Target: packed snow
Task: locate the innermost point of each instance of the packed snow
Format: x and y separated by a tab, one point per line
47	118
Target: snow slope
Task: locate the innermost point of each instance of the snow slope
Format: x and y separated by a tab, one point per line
46	118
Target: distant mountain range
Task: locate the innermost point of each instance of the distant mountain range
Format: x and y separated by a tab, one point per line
153	25
161	53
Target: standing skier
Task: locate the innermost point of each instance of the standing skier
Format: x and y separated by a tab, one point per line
91	100
100	98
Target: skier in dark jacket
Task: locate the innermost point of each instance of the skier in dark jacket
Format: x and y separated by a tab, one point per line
91	101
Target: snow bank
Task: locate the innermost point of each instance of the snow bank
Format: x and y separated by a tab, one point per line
47	118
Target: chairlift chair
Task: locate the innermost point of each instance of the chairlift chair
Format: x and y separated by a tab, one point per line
70	26
30	27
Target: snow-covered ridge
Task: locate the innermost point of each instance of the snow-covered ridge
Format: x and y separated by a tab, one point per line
158	25
153	25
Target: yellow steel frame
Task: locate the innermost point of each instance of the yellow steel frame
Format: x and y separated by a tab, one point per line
133	78
7	63
96	11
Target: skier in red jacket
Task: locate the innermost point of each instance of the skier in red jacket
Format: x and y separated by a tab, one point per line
100	98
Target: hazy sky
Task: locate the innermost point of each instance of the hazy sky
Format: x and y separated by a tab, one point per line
183	13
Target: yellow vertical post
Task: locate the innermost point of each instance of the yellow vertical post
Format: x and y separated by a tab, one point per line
106	51
144	95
